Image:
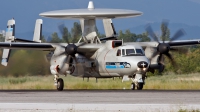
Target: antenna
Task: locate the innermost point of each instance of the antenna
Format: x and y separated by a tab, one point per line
90	5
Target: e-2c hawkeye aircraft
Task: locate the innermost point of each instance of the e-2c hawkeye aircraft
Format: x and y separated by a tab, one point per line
90	57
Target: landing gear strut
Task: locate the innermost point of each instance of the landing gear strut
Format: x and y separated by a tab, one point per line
132	86
60	84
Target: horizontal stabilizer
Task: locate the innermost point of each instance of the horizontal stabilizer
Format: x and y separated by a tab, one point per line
38	30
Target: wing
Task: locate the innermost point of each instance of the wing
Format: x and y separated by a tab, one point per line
34	46
180	43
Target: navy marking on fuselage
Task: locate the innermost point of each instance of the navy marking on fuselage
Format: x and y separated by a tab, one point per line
117	65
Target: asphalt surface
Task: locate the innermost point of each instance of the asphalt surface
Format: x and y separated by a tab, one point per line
99	100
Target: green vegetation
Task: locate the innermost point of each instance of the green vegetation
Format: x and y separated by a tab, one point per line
186	110
165	82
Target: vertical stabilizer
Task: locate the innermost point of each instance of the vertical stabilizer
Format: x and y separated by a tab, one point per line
38	30
10	35
109	28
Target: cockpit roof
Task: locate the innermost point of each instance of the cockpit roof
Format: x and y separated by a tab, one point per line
130	47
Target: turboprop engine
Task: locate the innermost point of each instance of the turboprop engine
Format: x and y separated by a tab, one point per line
156	54
57	69
157	62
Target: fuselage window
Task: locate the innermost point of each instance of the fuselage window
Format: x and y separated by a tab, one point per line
123	52
130	51
119	52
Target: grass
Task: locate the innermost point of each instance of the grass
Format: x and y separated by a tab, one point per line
186	110
165	82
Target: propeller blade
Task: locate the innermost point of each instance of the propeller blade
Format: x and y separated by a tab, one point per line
154	54
165	23
61	28
178	34
151	33
79	67
179	50
161	59
171	59
68	60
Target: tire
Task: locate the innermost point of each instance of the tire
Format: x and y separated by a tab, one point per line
60	84
140	86
132	86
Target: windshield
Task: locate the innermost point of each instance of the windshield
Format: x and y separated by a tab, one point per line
130	51
139	51
134	52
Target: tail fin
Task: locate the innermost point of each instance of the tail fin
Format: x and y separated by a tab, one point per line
38	30
109	28
10	35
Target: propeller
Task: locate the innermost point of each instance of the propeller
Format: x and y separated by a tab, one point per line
70	50
163	48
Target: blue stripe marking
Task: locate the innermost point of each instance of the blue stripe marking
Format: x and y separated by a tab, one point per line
9	29
4	60
114	66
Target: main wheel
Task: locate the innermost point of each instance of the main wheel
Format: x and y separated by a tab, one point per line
140	86
60	84
132	86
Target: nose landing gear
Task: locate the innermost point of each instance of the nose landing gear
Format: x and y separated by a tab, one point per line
137	81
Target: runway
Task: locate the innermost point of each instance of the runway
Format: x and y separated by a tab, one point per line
99	100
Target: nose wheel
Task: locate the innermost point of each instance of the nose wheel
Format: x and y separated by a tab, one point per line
60	84
140	86
138	81
132	86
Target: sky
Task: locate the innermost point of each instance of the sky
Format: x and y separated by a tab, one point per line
26	12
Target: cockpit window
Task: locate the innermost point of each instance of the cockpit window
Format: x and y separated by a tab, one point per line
130	51
119	52
123	52
139	51
134	52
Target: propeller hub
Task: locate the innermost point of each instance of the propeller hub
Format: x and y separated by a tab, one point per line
71	49
163	48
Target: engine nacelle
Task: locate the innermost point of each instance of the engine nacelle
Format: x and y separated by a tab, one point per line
54	69
57	69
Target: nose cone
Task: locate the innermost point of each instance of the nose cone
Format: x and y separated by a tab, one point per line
142	64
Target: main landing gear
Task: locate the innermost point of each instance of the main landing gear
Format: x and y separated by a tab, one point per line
59	83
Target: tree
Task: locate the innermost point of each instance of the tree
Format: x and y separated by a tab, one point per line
55	38
99	34
2	38
66	35
165	32
76	32
143	37
43	38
